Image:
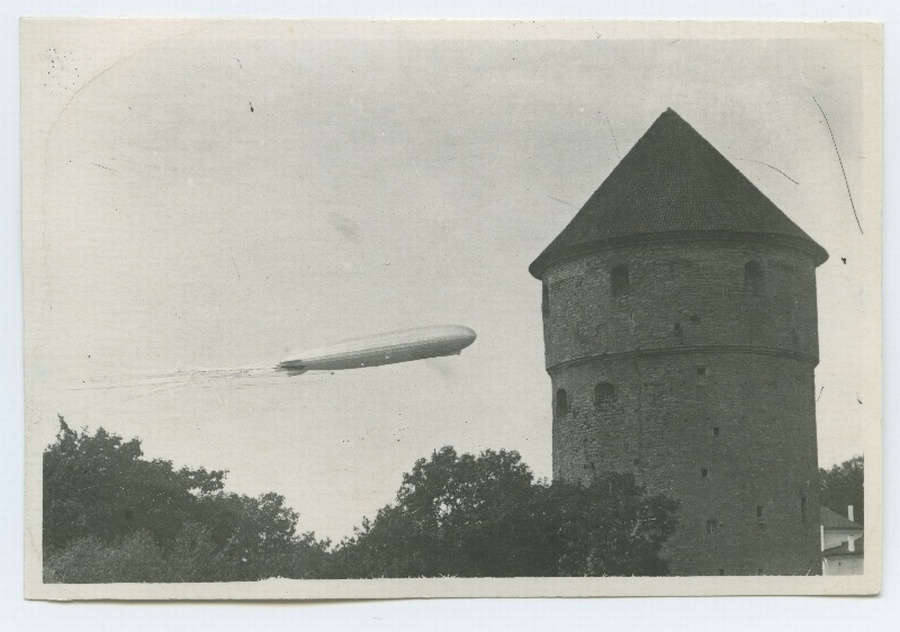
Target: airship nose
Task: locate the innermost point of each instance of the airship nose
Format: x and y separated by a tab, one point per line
463	334
469	335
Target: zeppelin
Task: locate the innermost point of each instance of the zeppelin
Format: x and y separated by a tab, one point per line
386	348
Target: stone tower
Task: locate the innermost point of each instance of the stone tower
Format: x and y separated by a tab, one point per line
680	334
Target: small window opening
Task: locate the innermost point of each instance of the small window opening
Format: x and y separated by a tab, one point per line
637	461
759	511
715	431
619	281
802	508
721	571
712	527
604	395
704	472
545	300
753	277
701	371
677	329
562	402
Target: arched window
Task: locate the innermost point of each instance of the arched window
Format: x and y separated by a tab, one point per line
604	395
562	402
619	282
753	277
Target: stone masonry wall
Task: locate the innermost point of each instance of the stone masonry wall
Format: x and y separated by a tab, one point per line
718	411
681	295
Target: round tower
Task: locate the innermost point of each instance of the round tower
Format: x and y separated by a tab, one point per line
680	334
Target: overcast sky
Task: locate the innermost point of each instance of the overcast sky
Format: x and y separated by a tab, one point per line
212	196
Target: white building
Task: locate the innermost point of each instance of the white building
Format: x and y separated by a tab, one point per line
842	543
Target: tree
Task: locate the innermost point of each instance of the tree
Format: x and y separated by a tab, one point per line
258	536
842	485
100	486
485	516
110	515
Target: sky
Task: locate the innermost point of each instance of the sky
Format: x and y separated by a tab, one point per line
202	195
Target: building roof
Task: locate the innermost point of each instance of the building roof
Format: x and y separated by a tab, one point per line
844	549
673	181
833	520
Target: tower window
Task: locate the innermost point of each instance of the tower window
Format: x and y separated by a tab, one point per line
715	431
604	395
701	374
753	277
619	281
759	512
704	473
712	527
562	402
545	300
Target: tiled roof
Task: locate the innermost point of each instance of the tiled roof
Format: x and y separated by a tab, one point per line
833	520
673	181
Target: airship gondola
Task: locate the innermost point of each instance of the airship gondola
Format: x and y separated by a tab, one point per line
386	348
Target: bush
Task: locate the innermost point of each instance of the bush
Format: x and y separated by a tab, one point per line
88	560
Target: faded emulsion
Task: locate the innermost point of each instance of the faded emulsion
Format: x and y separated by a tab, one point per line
680	332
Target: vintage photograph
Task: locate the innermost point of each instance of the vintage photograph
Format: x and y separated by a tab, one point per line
374	309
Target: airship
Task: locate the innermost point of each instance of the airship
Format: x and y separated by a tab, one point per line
385	348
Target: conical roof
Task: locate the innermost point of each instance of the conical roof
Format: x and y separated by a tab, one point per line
673	181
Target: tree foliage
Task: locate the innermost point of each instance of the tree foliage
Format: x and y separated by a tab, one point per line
111	515
485	516
99	485
842	485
